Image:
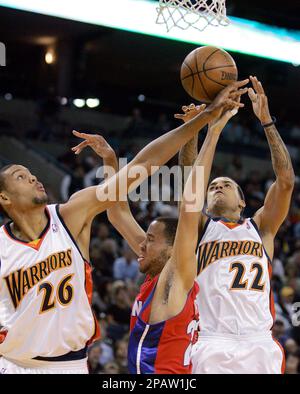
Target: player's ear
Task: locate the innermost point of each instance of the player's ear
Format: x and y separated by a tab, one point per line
4	199
242	204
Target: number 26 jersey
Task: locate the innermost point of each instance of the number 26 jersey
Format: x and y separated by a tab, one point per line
45	293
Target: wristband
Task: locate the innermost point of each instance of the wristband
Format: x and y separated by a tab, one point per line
274	120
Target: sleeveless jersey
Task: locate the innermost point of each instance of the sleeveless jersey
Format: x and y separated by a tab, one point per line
45	292
165	347
234	273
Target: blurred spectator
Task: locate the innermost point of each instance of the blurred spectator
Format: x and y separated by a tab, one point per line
291	346
126	267
111	368
119	311
277	265
121	348
278	332
292	364
284	307
93	358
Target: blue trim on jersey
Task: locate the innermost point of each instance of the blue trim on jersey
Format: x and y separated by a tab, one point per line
201	236
71	356
258	232
148	300
150	344
149	347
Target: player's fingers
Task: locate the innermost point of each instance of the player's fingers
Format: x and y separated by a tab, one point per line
77	133
233	112
234	104
238	93
238	84
81	135
252	95
83	144
255	84
260	87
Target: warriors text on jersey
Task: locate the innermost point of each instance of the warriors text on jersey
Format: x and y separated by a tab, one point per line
46	289
163	347
234	278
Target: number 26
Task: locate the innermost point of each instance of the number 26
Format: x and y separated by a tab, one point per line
64	294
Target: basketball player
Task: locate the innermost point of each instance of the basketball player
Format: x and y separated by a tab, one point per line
164	316
45	286
234	265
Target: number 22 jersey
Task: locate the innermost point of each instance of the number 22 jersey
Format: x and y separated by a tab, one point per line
234	278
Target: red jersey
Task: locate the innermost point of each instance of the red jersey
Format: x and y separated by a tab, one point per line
164	347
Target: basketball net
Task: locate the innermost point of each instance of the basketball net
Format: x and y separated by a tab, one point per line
192	13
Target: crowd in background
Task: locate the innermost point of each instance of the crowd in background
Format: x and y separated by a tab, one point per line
116	270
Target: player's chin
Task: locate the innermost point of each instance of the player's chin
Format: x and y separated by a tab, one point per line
220	200
142	265
41	198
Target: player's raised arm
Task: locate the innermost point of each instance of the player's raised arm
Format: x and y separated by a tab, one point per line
183	258
119	215
94	200
276	205
188	153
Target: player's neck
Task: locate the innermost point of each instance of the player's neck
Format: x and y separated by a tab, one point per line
229	215
28	225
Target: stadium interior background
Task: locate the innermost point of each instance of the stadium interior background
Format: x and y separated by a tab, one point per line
136	79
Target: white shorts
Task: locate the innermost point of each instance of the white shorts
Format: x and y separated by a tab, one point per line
44	367
231	354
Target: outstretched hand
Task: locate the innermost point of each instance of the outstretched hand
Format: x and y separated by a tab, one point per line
228	99
259	101
96	142
190	111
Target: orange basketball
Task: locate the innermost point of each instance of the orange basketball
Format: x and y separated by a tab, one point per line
206	71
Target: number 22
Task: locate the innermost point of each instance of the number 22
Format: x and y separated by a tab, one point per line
239	284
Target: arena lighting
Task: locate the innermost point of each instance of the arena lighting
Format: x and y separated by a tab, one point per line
139	16
63	100
141	98
92	102
49	57
79	103
8	96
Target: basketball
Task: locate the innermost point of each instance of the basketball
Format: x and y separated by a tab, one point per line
206	71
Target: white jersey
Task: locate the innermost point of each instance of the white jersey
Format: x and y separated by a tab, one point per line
234	275
45	293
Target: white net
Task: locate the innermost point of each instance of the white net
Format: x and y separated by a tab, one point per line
192	13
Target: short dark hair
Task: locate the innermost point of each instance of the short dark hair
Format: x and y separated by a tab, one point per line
170	227
242	196
2	176
241	193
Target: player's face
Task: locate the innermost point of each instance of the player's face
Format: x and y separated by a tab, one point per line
154	250
222	194
23	190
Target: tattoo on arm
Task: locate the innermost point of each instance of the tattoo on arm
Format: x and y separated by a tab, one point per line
281	159
187	155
